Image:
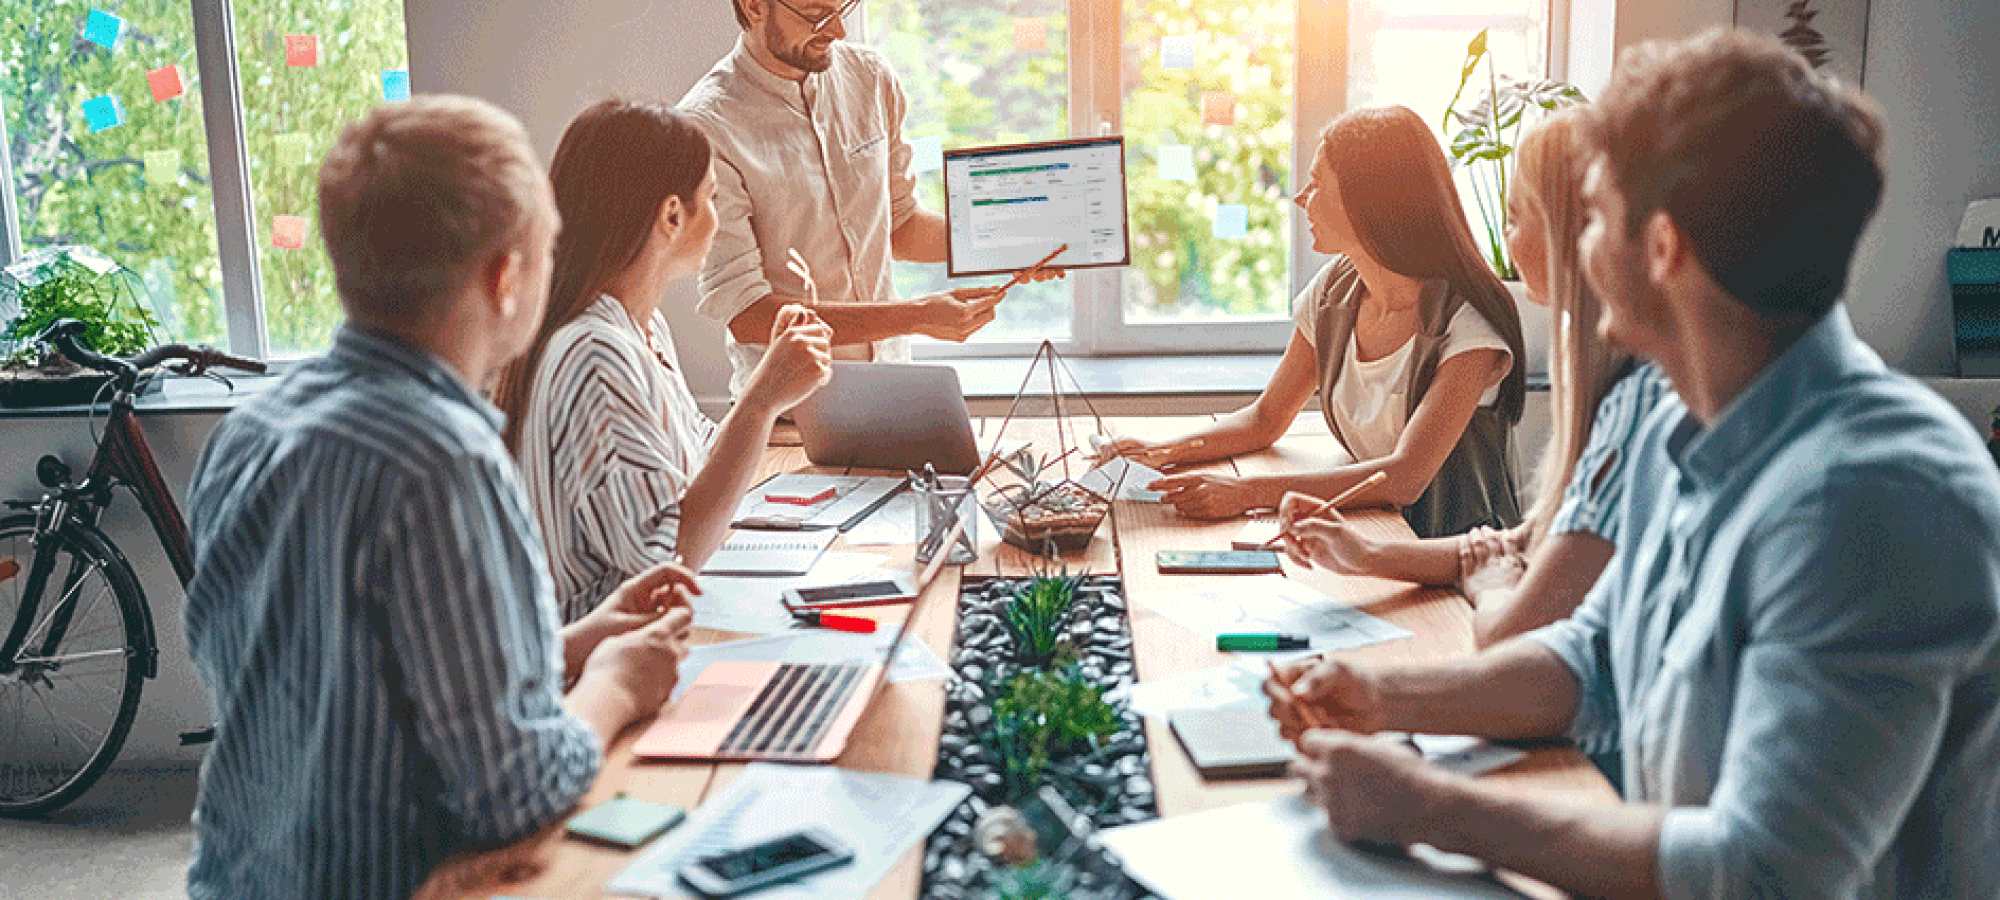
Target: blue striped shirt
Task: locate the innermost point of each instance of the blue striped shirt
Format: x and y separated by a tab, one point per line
373	610
1596	489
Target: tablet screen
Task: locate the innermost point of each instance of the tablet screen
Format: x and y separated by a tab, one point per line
1011	206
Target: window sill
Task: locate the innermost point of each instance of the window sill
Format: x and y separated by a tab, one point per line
177	396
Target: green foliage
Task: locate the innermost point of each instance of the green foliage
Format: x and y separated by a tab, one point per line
1041	717
1488	133
79	187
1039	880
1037	615
116	324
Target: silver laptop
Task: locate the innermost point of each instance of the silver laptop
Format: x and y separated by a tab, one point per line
889	416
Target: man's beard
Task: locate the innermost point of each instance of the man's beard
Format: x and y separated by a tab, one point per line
801	57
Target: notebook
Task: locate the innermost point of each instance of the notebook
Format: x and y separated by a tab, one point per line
769	552
1232	742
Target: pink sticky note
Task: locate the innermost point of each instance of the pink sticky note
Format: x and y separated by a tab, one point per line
1031	34
1218	108
288	232
166	82
301	50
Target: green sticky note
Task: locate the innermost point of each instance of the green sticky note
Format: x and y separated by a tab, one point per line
626	822
294	150
163	167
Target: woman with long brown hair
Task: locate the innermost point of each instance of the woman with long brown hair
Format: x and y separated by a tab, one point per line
623	469
1411	341
1528	576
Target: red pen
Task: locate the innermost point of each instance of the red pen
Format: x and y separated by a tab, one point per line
836	621
802	500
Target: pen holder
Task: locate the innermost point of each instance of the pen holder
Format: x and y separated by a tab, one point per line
939	507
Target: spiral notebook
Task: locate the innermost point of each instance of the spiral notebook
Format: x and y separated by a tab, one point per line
769	552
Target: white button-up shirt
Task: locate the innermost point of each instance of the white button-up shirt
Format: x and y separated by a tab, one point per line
819	166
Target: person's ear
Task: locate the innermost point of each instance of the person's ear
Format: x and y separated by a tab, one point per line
753	10
504	277
1665	248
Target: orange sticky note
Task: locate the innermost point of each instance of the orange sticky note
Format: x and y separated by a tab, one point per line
1031	34
166	82
301	50
1218	108
288	232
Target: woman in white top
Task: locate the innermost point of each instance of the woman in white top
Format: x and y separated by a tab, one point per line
623	469
1410	339
1528	576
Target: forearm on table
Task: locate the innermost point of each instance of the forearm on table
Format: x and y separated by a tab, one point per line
1595	851
598	703
1418	560
852	323
1519	690
710	501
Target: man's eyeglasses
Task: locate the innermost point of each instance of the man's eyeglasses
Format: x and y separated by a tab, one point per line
825	20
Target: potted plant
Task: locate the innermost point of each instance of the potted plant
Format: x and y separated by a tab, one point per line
1484	137
1038	617
65	283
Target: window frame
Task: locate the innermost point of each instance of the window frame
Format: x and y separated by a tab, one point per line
1098	326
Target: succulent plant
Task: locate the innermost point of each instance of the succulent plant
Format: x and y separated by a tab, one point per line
1038	615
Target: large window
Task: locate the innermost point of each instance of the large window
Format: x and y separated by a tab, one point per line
1220	102
183	144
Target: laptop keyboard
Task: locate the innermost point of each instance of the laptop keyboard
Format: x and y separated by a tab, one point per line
794	710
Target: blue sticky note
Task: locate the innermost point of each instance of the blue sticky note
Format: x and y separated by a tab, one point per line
1177	51
103	29
926	154
103	112
1176	162
395	84
1232	221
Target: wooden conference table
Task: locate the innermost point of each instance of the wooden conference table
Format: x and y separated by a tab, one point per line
900	732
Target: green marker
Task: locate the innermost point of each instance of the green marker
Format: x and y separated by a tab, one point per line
1261	643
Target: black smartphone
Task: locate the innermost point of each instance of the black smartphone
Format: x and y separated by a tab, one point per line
745	869
1217	562
864	593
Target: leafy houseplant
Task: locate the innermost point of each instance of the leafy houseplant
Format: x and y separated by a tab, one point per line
1035	618
67	283
1046	725
1487	134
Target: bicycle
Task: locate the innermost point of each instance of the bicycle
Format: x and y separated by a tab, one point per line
69	660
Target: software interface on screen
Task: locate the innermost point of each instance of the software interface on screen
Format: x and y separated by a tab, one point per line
1011	206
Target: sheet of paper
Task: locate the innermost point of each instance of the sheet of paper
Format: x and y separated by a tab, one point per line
103	29
915	660
163	167
1218	108
165	82
1278	605
767	553
288	232
852	494
294	149
103	112
1255	534
1031	34
1280	850
750	604
395	84
1465	754
1176	162
1981	225
1177	51
1237	684
1232	221
301	50
1123	479
880	816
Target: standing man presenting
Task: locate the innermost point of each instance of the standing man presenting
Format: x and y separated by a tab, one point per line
810	157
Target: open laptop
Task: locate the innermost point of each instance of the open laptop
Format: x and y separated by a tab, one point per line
889	416
784	712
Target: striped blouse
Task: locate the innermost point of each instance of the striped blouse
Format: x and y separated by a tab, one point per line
610	439
372	610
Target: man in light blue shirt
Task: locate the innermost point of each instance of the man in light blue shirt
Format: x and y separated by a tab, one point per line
1799	649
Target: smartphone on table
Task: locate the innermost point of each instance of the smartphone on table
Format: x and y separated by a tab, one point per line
1217	562
783	858
861	593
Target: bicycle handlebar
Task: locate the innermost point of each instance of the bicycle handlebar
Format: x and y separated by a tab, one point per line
67	336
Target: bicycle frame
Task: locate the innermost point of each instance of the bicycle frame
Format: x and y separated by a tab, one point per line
123	455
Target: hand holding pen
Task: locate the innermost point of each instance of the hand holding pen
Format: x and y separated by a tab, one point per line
1323	693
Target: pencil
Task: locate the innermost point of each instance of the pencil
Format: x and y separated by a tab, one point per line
1023	274
1342	497
1292	701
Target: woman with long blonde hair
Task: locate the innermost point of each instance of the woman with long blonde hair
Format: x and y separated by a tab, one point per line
1538	572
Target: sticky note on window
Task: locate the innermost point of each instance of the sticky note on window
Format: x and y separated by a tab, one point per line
103	112
926	154
165	82
288	232
301	50
1177	51
1232	221
294	150
395	85
163	167
103	29
1218	108
1176	162
1031	34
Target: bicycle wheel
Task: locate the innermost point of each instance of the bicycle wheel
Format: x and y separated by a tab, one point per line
65	704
